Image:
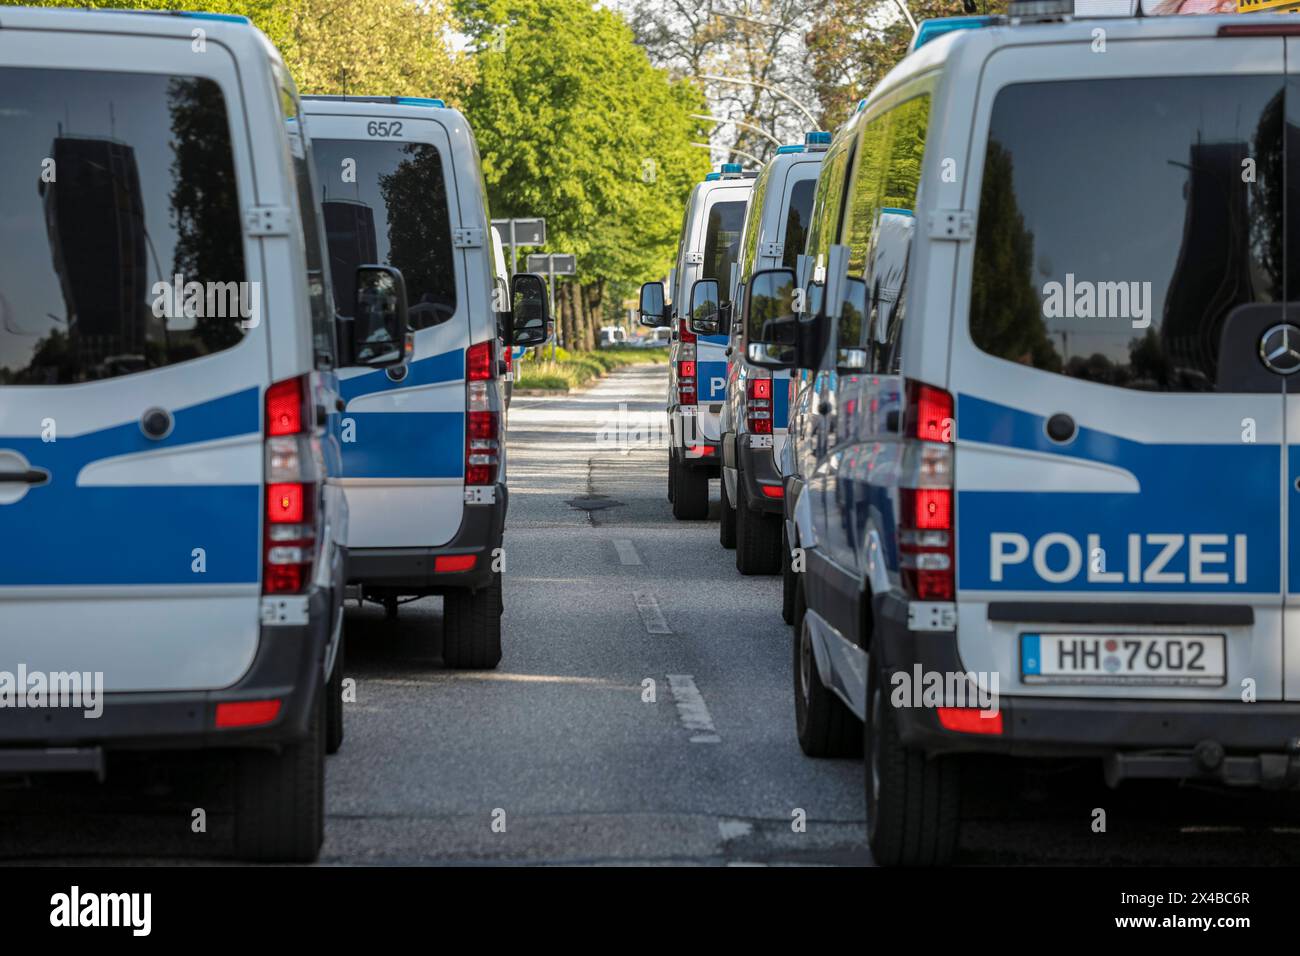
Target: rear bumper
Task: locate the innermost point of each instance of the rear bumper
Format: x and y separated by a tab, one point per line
1246	743
408	571
289	667
757	469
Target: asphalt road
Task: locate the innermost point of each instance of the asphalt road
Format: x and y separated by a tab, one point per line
642	713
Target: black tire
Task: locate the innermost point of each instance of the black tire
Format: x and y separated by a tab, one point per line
334	704
727	520
824	724
758	536
789	579
672	474
690	493
280	798
913	801
472	627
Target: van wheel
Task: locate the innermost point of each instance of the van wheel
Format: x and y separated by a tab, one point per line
758	536
471	622
824	724
913	801
690	492
672	474
727	522
280	798
789	580
334	704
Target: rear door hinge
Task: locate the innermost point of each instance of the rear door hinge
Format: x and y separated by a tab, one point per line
466	237
263	221
773	250
695	258
955	225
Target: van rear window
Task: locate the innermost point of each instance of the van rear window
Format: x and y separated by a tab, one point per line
722	240
1122	221
797	220
121	239
385	203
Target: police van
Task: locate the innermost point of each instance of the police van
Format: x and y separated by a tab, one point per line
168	376
708	247
757	402
1049	492
424	457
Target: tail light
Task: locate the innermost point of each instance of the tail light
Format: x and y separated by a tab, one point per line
758	404
483	423
289	541
687	388
926	523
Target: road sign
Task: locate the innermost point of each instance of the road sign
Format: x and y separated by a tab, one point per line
520	232
555	263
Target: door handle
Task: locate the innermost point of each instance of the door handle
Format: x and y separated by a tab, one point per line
32	476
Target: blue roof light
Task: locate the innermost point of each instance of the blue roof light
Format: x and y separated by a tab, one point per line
731	168
712	177
862	105
226	17
929	29
817	137
793	148
421	101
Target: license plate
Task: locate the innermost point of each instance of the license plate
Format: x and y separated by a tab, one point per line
1187	660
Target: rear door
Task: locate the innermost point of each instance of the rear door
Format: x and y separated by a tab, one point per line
722	220
1119	464
388	197
1287	364
133	355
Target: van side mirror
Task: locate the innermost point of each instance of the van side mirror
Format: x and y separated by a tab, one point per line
651	312
376	334
530	309
771	322
704	315
850	351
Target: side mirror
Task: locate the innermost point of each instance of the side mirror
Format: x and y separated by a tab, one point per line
850	351
652	312
704	315
530	307
377	330
771	323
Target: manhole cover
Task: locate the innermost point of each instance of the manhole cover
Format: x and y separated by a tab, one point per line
594	503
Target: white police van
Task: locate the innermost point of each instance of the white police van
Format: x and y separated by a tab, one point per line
1049	494
757	403
424	458
708	247
168	364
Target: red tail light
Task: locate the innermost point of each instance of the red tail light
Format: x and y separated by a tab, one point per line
687	390
247	713
970	720
926	522
684	334
289	539
455	562
482	422
478	362
758	405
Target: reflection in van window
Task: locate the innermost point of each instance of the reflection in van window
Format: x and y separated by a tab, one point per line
722	240
796	221
130	182
1067	280
392	212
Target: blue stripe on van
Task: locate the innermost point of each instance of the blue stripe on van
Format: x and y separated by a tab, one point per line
406	444
62	534
780	401
712	380
1213	489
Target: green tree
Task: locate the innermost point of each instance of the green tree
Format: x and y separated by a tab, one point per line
575	124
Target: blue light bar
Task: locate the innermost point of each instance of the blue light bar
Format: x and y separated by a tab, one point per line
712	177
420	101
817	137
793	148
225	17
731	168
929	29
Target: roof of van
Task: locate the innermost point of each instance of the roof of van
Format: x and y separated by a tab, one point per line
232	30
388	105
974	45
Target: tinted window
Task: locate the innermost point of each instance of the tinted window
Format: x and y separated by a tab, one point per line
887	177
385	202
116	183
753	224
1114	250
829	199
796	220
722	240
